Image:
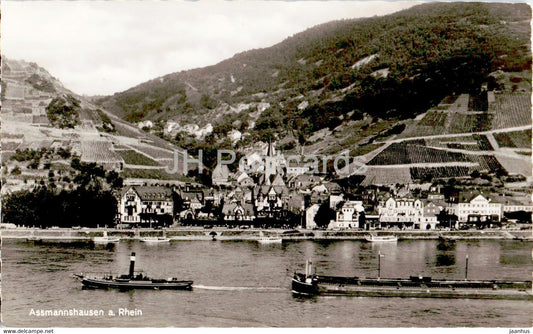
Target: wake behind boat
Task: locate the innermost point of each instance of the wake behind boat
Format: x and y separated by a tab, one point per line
132	281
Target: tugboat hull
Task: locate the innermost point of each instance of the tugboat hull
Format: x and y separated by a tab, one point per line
134	284
132	281
304	288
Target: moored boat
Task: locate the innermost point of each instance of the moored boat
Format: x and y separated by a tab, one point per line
383	238
155	239
105	239
271	239
132	280
412	287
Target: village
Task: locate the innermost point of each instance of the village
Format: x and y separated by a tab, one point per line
293	197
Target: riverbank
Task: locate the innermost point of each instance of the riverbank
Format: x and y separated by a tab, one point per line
188	233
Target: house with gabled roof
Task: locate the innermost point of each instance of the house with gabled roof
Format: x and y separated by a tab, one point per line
304	181
244	180
220	176
409	211
145	205
348	216
477	208
295	168
238	211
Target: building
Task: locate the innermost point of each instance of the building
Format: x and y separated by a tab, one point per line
305	181
402	212
310	214
295	168
273	162
334	200
146	205
295	203
220	176
428	219
191	201
515	203
269	201
238	211
475	208
410	212
244	180
348	215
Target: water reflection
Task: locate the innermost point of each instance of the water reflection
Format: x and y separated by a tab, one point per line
445	260
446	245
41	275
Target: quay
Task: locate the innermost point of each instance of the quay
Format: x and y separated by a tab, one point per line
223	233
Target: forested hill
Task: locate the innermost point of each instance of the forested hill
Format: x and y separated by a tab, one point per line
392	66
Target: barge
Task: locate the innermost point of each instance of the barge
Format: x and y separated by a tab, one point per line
132	281
311	284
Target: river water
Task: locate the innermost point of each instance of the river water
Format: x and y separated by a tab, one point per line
246	284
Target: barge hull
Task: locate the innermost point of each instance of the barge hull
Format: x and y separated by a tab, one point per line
411	288
325	290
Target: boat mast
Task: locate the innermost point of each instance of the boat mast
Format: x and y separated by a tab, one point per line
132	264
379	264
466	268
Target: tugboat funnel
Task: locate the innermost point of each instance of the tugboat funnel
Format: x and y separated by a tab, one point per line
132	264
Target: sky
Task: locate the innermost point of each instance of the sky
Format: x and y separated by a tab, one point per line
104	47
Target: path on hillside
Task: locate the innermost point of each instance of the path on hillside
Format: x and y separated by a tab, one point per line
451	135
429	165
509	158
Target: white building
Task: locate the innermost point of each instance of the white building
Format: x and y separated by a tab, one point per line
348	215
401	210
410	212
146	204
220	176
477	209
334	200
428	219
310	214
295	168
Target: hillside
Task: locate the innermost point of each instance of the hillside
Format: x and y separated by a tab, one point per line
365	74
45	126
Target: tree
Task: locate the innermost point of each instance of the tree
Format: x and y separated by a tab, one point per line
324	215
475	174
114	179
16	171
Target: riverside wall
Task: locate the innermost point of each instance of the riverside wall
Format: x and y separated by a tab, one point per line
254	234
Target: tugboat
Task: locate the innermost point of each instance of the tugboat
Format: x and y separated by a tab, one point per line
412	287
132	281
305	284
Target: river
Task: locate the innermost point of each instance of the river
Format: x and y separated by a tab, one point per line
246	284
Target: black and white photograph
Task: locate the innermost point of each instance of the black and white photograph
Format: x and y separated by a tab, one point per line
266	164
